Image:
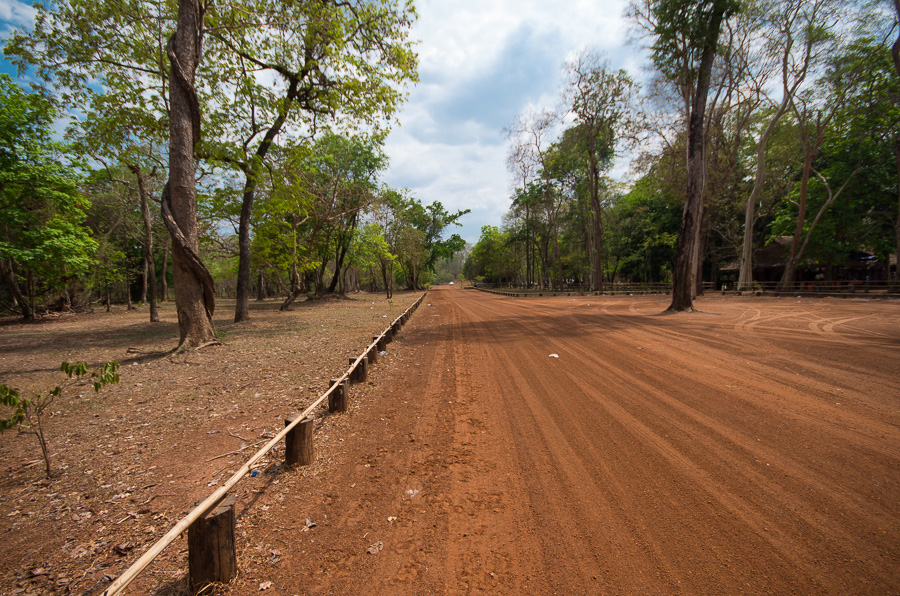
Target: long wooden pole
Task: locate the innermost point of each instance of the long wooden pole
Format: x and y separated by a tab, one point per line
132	572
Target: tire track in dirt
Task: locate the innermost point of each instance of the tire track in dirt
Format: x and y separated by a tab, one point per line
657	455
807	526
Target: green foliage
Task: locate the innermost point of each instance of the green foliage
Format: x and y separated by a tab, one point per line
41	233
312	213
26	414
643	232
683	31
10	398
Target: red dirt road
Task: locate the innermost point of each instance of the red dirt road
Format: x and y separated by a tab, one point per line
750	448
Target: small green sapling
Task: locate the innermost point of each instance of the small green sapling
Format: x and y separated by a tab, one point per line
26	413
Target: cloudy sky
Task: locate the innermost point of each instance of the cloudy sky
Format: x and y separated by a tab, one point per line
481	63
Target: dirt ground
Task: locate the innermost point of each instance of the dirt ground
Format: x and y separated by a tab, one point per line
587	445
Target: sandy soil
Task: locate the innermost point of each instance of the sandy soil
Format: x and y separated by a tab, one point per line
750	448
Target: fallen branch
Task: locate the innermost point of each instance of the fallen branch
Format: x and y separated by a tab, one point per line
238	452
159	495
237	436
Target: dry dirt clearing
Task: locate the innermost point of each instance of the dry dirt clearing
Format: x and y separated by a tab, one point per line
750	448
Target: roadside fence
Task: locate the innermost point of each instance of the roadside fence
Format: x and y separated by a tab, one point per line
210	525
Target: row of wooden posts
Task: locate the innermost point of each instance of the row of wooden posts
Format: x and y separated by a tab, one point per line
212	556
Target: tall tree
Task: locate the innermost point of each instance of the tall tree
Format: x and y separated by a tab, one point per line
601	102
533	132
194	287
895	56
850	64
686	41
797	33
292	64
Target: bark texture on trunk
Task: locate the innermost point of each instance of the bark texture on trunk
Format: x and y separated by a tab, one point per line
298	288
149	266
165	271
896	221
194	287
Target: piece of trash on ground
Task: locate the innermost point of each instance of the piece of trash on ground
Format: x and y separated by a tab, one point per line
375	548
412	492
554	355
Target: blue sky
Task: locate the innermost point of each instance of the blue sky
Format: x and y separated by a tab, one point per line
13	15
482	62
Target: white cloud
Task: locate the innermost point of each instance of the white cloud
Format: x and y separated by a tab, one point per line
481	63
17	14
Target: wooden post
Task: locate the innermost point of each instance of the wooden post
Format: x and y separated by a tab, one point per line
211	552
373	355
388	335
339	400
362	371
298	444
380	343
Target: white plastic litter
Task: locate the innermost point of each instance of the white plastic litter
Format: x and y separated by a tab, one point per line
554	355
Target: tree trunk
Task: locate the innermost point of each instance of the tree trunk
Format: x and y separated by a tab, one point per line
896	221
787	277
689	236
165	267
596	218
8	273
242	292
144	270
127	291
698	264
797	253
194	287
259	286
387	274
529	273
338	268
296	291
745	277
149	266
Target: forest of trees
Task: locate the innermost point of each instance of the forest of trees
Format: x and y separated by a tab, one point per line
768	125
235	150
213	149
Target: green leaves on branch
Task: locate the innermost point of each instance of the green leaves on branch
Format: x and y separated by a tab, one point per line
26	414
104	375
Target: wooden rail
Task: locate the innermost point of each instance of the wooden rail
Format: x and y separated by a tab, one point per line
212	500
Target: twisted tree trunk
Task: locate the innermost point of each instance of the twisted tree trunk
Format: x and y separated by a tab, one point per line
194	287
